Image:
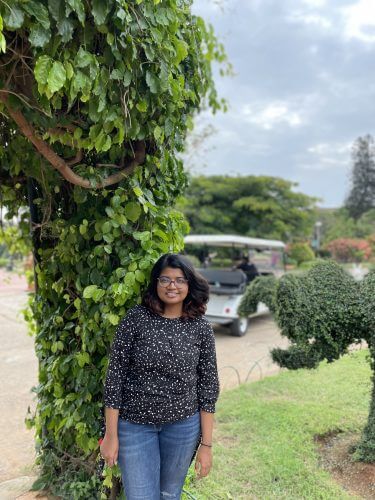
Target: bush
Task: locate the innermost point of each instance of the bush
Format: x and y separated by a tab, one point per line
262	289
300	252
320	311
349	250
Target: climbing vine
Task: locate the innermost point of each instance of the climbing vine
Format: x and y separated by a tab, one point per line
96	98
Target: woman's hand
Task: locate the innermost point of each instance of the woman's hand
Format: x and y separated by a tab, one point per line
109	449
203	461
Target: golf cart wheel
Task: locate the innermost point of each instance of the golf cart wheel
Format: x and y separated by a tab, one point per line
239	327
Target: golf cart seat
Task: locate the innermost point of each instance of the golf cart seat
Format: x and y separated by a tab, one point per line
225	282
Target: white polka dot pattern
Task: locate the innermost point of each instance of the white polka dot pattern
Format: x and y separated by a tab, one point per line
160	369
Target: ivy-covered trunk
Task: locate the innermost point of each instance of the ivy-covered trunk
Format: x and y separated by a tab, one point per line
96	98
92	266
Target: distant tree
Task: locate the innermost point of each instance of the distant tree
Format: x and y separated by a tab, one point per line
251	205
362	194
300	252
337	223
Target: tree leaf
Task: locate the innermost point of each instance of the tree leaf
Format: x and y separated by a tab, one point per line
133	211
152	81
13	17
56	8
181	51
39	36
39	11
66	29
99	11
56	76
42	68
83	58
79	9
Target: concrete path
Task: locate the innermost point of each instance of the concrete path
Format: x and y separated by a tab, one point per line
239	360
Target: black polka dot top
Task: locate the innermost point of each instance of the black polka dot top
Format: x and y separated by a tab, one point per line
160	369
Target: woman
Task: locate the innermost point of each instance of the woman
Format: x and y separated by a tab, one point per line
162	385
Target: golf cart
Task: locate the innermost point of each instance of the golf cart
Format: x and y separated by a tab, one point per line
217	258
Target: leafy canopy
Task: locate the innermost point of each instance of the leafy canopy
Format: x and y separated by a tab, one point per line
255	206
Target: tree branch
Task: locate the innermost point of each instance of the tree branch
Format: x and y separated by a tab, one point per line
59	163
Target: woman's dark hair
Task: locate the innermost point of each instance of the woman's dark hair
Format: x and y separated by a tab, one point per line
195	302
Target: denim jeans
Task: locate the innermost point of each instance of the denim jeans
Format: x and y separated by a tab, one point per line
154	459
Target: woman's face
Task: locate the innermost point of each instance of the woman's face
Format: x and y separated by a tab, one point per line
172	287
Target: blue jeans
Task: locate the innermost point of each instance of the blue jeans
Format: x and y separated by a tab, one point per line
154	459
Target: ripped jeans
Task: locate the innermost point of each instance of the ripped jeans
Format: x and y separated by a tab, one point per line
154	459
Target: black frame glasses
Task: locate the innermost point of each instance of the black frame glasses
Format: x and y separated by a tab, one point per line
165	282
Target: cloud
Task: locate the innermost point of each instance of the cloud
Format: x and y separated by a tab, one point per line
359	21
323	156
272	114
315	3
312	19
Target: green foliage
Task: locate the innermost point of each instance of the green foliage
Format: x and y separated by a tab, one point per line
322	313
300	252
91	78
337	223
122	69
261	289
366	448
259	206
319	311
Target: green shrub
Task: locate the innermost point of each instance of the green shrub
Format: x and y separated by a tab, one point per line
320	309
262	289
322	313
366	448
300	252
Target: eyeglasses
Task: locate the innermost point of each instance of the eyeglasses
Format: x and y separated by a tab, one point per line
164	281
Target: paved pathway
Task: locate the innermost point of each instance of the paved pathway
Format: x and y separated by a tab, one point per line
239	359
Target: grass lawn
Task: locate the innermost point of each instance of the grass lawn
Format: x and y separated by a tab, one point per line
264	439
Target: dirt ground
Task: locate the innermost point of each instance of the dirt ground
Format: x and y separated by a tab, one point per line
239	360
356	478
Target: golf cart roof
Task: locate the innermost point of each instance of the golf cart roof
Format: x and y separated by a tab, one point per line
232	240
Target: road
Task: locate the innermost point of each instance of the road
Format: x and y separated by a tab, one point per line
239	359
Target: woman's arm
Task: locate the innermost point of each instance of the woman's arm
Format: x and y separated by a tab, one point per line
109	446
117	369
203	462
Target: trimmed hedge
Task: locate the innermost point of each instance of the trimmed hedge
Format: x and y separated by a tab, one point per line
261	289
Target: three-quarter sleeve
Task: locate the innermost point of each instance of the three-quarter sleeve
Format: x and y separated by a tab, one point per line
119	362
208	380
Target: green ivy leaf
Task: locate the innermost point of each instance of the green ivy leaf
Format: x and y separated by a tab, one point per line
83	358
152	81
3	43
39	11
39	36
89	291
13	17
140	277
79	9
83	58
42	68
114	319
99	11
133	211
56	76
65	29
